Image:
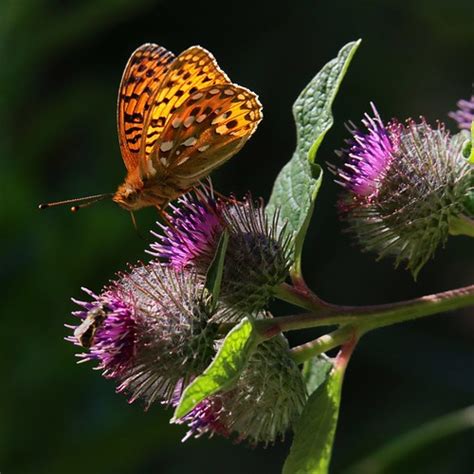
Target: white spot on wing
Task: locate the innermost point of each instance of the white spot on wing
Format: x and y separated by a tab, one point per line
182	160
190	141
189	121
151	170
203	148
166	146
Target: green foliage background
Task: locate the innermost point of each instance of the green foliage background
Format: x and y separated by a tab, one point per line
60	68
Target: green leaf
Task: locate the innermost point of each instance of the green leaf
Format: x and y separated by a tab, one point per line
224	370
315	372
297	185
216	268
314	434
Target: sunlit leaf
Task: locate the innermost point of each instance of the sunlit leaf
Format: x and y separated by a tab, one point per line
224	370
296	187
314	434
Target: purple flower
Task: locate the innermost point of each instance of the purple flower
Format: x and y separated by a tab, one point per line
368	156
107	330
257	257
149	330
203	419
464	116
264	403
196	225
407	187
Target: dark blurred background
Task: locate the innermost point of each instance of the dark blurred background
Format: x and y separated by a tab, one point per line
60	69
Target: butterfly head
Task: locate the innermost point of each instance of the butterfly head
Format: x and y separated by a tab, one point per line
128	197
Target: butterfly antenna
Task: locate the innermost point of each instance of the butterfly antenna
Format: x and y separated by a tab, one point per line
83	202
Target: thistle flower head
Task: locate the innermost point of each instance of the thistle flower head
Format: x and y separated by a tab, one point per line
257	257
464	116
405	206
368	156
154	330
265	402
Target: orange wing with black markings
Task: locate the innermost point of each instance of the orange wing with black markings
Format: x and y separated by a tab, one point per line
141	80
178	119
206	130
194	69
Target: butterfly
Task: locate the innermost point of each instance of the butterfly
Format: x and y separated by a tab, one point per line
179	118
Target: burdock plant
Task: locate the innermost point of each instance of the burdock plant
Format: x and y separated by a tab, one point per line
191	328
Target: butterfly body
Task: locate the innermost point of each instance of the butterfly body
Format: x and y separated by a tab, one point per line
135	193
178	119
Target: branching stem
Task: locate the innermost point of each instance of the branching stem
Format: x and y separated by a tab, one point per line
354	319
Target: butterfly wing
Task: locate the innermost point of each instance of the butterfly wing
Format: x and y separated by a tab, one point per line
207	129
141	79
194	69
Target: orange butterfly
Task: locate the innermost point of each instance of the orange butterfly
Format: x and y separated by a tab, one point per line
178	118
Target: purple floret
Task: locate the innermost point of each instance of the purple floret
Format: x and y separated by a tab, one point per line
195	228
107	330
464	116
368	156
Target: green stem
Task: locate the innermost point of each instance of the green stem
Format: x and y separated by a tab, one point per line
300	295
385	458
462	225
366	318
323	344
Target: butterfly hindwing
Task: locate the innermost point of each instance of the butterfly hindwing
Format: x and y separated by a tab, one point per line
194	69
140	81
206	130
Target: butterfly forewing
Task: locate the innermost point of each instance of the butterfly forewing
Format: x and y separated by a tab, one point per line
194	69
206	130
140	81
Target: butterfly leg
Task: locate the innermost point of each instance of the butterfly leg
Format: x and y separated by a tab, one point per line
135	226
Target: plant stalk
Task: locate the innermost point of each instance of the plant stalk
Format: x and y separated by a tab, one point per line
366	318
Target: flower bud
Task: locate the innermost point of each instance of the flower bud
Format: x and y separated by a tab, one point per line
149	330
407	186
265	402
257	257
